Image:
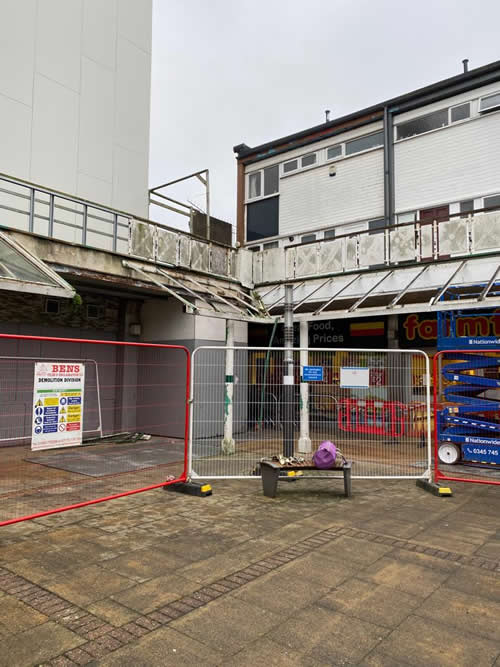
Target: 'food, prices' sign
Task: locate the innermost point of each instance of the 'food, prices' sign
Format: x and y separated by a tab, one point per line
57	405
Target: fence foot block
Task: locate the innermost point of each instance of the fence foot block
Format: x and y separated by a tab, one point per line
191	488
434	488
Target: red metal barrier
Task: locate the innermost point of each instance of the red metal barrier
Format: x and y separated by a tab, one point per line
464	470
134	419
375	417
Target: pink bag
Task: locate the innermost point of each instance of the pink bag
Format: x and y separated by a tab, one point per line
325	456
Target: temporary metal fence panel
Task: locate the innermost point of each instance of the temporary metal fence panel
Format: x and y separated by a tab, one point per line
373	404
467	416
125	431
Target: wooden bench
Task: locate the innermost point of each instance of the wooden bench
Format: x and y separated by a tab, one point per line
270	472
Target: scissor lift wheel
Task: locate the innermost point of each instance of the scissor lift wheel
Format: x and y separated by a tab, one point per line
449	453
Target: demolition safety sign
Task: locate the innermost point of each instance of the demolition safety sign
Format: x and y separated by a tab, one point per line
57	405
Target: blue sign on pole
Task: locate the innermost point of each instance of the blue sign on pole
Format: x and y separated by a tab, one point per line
312	374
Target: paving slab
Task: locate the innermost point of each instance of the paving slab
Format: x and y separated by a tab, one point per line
376	603
154	593
163	647
468	613
36	645
419	641
227	624
318	634
404	576
91	584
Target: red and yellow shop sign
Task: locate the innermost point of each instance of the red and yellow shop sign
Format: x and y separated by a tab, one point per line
420	330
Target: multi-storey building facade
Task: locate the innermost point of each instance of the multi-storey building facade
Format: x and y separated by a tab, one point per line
429	154
391	210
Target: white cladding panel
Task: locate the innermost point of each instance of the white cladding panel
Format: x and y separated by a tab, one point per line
312	198
451	164
75	97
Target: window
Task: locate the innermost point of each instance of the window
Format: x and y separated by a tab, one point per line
431	121
272	244
93	311
290	166
492	202
364	143
333	152
308	160
376	224
307	238
52	306
262	219
271	180
407	217
489	103
329	234
264	182
254	185
461	112
466	207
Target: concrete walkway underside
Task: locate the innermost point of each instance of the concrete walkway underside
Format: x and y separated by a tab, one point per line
393	576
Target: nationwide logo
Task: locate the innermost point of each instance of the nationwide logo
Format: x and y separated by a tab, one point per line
481	441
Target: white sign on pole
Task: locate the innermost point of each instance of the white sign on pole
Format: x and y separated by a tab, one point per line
354	377
57	405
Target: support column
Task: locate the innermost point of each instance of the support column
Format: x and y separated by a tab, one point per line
227	444
304	439
288	390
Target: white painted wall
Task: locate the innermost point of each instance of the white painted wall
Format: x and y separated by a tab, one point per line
451	164
75	97
164	319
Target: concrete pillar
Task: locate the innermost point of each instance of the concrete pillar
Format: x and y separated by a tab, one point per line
304	439
227	444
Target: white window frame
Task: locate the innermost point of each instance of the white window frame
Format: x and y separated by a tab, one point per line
461	120
336	157
489	109
248	199
249	175
366	150
494	194
291	171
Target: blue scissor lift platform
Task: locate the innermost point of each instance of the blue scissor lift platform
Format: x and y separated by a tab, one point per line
468	424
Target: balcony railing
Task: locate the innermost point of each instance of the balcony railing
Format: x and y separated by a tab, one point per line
401	245
32	208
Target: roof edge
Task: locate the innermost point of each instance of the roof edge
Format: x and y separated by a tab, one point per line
324	129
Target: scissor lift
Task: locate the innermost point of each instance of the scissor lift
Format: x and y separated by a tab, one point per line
468	422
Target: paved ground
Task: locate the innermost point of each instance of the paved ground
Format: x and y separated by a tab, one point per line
391	577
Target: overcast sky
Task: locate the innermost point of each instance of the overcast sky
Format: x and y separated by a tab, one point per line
233	71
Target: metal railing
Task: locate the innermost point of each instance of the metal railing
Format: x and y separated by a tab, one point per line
398	245
39	210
